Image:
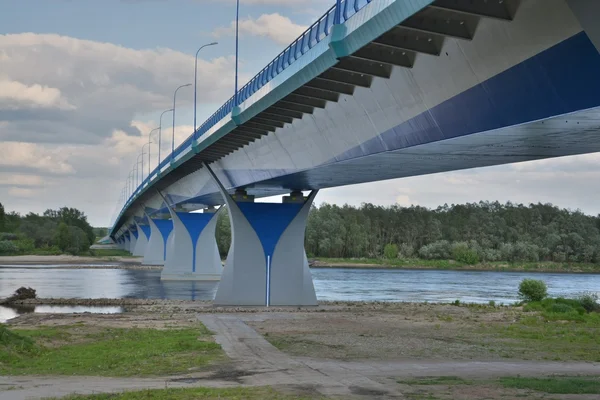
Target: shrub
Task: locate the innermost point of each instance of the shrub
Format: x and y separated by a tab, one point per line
462	253
439	250
390	251
8	247
8	236
25	245
491	255
560	308
406	250
589	301
532	290
492	303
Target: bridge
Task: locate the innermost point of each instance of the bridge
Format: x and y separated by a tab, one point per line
374	90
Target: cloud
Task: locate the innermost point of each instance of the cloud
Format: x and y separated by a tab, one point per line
19	180
22	192
276	27
46	76
15	95
29	156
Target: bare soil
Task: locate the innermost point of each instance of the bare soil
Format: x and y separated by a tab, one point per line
340	350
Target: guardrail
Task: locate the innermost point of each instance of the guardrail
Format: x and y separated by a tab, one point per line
313	35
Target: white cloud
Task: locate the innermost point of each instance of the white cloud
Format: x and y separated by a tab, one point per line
276	27
22	192
15	95
9	179
108	85
32	156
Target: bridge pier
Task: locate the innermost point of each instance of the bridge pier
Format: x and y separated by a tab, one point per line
126	241
193	253
133	234
143	232
160	234
266	264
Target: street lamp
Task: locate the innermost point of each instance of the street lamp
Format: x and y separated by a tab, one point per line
160	133
150	138
137	168
237	47
174	99
146	144
130	185
196	78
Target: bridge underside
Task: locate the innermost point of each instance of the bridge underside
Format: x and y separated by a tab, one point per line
571	134
450	85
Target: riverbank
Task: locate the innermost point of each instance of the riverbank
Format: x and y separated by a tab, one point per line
349	350
68	260
451	265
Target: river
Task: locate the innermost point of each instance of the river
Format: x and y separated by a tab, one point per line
330	284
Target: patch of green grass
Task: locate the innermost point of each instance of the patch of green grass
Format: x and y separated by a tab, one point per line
555	385
13	345
109	352
438	380
536	336
260	393
110	253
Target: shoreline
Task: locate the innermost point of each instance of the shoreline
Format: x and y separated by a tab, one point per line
135	263
544	268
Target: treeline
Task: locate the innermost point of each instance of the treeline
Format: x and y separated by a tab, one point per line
54	232
485	231
470	233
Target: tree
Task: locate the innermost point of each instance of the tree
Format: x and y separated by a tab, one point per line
532	290
2	217
390	251
63	237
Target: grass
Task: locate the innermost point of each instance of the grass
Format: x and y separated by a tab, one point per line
414	263
13	345
555	385
110	253
552	334
260	393
438	380
82	350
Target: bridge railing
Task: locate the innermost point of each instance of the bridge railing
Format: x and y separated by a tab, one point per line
307	40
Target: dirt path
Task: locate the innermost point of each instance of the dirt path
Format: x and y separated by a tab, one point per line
266	365
256	362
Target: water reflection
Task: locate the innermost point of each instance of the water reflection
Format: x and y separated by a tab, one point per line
330	284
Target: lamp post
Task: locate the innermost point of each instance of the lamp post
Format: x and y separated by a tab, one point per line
130	185
138	169
146	144
174	105
150	138
160	133
196	79
237	47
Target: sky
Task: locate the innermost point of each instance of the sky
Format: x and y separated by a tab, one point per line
83	82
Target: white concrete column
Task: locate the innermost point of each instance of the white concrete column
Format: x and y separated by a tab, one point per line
132	240
156	250
141	242
127	242
266	264
193	253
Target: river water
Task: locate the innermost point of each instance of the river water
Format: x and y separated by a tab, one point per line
330	284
